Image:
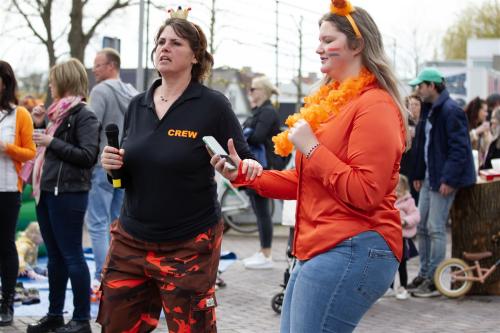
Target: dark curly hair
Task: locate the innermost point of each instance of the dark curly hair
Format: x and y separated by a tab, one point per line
8	94
197	41
472	111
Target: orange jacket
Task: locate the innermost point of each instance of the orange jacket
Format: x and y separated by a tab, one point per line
23	148
347	186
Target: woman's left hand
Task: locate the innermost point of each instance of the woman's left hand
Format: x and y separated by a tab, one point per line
250	168
302	136
42	139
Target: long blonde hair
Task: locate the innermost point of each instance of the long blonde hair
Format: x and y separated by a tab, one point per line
373	55
403	186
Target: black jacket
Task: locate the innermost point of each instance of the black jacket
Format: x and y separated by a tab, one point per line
493	152
72	153
266	124
409	158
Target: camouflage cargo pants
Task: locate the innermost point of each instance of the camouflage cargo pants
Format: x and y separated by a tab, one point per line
140	278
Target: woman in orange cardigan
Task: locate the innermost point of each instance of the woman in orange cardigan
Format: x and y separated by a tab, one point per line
16	147
349	136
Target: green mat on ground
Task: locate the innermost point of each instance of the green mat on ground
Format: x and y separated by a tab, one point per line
27	213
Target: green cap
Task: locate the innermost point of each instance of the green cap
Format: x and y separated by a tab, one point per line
429	75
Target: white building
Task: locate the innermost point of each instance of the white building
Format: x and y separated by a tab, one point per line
234	84
479	75
483	70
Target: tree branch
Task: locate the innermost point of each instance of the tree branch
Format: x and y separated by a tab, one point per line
30	26
13	29
117	5
28	3
63	32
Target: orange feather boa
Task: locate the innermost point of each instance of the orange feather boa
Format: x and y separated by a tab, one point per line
327	101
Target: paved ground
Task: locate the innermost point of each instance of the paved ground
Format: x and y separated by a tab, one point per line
244	304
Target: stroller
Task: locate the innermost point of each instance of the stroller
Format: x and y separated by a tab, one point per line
287	219
277	300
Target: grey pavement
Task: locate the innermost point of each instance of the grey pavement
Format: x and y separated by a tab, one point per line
245	303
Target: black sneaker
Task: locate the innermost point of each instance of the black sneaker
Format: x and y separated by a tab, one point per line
7	310
6	315
74	326
46	324
426	289
417	281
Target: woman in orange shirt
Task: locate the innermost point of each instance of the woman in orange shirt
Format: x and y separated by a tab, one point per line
349	136
16	147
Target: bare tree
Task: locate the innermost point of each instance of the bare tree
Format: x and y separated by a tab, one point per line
29	10
299	70
212	34
34	11
418	47
78	39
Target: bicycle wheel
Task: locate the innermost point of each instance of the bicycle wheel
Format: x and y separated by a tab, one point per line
242	217
445	282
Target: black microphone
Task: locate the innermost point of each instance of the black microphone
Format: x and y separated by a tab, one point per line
112	132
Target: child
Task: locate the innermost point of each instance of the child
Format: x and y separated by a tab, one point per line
27	249
410	217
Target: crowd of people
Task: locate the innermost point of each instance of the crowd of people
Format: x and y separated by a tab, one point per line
156	239
449	147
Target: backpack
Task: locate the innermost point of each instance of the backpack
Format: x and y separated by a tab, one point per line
274	161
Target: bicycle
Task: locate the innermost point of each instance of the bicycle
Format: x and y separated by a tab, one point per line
454	277
236	208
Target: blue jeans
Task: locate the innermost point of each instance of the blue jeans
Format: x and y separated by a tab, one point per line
61	224
333	290
434	210
104	207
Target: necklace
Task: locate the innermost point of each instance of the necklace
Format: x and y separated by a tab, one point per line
327	101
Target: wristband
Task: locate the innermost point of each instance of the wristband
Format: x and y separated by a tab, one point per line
311	151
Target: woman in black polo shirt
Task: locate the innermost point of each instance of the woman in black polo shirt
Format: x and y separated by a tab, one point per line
165	248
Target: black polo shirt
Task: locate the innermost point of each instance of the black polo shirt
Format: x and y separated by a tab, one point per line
170	192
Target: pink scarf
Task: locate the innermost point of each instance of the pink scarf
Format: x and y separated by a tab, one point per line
58	111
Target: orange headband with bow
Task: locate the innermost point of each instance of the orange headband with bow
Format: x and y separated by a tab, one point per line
344	8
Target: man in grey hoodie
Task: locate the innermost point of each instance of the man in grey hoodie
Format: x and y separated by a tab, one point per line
109	99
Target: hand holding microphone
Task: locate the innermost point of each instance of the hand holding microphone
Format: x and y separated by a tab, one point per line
112	155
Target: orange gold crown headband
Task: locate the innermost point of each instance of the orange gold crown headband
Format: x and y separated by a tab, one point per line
183	14
344	8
